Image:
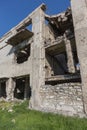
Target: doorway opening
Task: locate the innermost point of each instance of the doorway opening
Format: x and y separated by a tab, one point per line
22	89
3	89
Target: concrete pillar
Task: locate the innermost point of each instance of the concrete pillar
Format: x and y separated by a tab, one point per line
37	76
26	91
10	86
79	12
70	60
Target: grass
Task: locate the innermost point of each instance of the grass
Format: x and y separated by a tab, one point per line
21	118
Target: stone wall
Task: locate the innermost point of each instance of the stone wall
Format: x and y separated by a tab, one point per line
63	98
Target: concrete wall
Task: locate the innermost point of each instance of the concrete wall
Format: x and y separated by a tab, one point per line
79	13
8	66
63	98
49	35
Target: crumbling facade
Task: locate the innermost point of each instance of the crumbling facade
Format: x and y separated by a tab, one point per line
47	64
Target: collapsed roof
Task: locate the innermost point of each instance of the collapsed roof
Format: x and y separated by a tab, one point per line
61	22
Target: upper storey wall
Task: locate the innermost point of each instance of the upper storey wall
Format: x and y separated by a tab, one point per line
4	52
8	65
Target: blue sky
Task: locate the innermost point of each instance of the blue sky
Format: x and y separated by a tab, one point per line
13	11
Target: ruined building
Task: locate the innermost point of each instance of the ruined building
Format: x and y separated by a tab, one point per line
43	59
